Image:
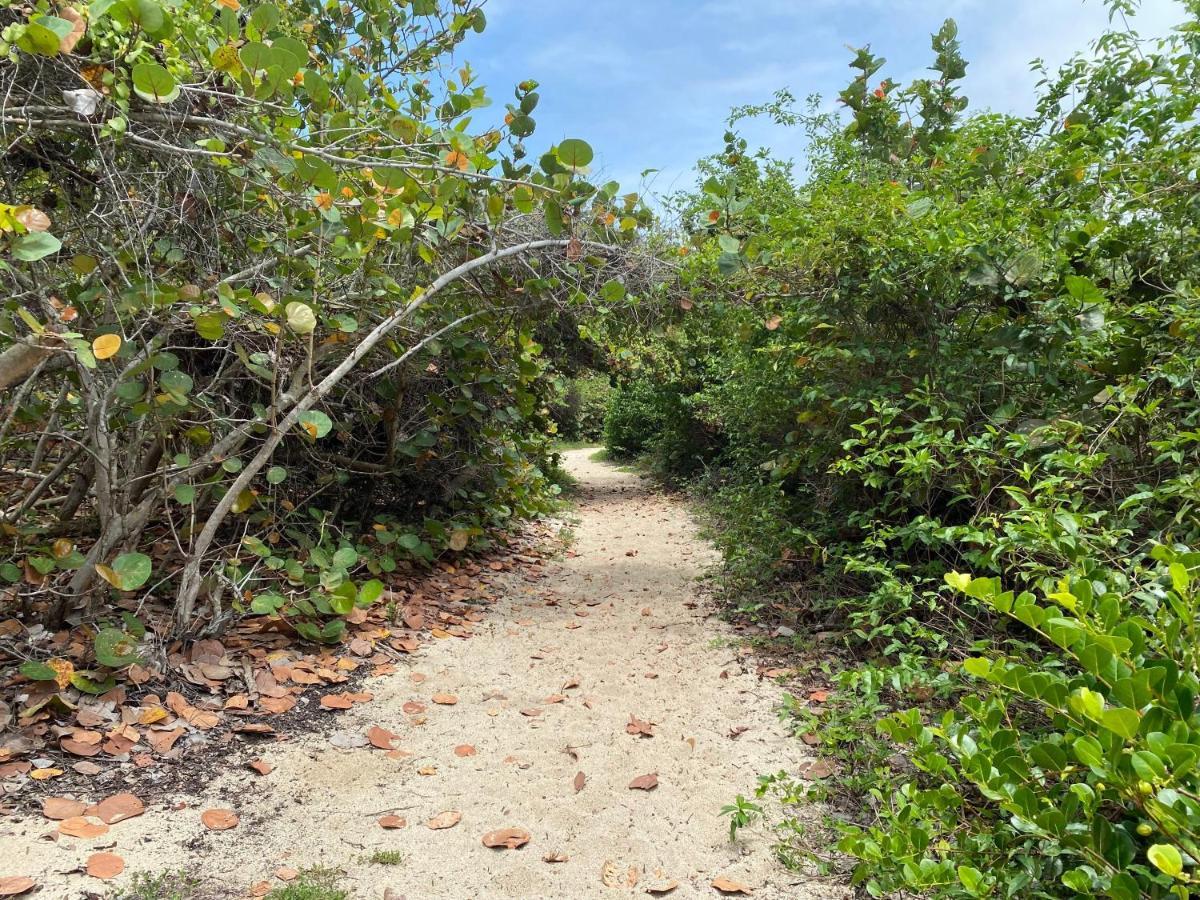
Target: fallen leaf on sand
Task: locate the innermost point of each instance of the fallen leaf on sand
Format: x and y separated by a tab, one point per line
348	740
260	889
644	782
412	707
729	886
219	819
43	774
611	875
105	865
532	711
464	750
392	822
507	838
447	819
637	726
427	770
261	766
580	781
78	826
117	808
816	769
819	696
555	857
336	701
59	808
381	738
16	884
660	884
738	730
283	873
445	699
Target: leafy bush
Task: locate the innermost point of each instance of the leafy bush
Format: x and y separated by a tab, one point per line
963	344
580	410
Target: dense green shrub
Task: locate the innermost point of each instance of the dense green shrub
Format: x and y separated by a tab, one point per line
579	411
964	345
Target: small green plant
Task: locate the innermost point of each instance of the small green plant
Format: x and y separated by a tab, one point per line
160	886
318	883
741	813
386	858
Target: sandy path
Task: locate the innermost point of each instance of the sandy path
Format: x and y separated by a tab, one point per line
623	629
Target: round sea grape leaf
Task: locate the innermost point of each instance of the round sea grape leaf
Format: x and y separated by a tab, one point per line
316	423
276	475
131	571
115	649
37	671
154	83
345	557
574	153
300	317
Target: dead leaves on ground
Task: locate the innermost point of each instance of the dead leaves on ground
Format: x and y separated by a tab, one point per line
506	838
644	782
105	865
16	884
637	727
392	822
729	886
447	819
219	819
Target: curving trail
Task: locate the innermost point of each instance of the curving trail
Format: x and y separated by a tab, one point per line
620	617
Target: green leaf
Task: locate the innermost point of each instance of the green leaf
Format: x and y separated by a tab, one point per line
210	326
1124	722
39	40
370	592
345	557
316	423
132	570
37	671
35	246
115	649
1166	858
574	153
185	494
154	83
90	683
300	317
276	475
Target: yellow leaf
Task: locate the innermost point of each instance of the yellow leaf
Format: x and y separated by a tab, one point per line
63	547
108	575
324	200
310	428
230	4
106	345
43	774
63	669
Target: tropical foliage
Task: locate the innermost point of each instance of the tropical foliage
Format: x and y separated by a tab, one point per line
964	345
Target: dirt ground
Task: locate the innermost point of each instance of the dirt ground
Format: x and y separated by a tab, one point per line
544	690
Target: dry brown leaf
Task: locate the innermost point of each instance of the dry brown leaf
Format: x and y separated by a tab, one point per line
44	774
729	886
261	766
738	730
816	769
447	819
554	698
465	750
105	865
78	26
59	808
444	699
660	883
644	782
531	712
637	726
336	701
260	889
219	819
580	781
117	808
392	822
507	838
78	826
413	707
16	884
610	875
381	738
283	873
555	857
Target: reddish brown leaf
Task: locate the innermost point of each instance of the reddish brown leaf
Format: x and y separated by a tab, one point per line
78	826
117	808
261	766
729	886
59	808
105	865
738	730
532	711
447	819
381	738
464	750
16	884
819	696
285	873
219	819
336	701
817	769
392	822
644	782
637	726
444	699
555	857
580	781
507	838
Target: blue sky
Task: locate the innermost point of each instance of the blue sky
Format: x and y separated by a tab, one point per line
649	82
